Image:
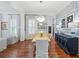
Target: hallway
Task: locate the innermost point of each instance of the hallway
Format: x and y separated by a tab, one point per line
24	49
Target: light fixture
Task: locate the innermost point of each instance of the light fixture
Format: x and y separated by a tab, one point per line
41	18
41	1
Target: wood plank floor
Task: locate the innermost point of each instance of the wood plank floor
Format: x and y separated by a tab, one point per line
25	50
57	52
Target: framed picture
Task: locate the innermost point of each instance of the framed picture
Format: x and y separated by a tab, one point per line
69	19
42	25
4	25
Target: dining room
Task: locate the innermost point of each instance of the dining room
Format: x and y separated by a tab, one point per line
39	29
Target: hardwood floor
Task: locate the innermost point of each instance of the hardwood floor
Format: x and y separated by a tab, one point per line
56	51
25	49
19	50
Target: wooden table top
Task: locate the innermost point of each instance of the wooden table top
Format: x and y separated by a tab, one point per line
40	36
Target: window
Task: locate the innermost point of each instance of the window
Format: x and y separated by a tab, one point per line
14	25
31	26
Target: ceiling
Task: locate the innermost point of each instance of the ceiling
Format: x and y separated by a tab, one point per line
35	7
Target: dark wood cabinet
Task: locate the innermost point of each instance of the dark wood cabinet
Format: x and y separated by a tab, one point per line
67	42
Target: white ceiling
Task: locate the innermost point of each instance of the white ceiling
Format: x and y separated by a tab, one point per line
35	7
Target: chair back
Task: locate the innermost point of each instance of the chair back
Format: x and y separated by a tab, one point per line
42	49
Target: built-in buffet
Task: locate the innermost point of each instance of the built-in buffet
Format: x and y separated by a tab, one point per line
68	43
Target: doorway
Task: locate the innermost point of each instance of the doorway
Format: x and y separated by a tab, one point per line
33	26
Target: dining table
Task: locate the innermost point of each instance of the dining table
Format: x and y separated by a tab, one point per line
40	36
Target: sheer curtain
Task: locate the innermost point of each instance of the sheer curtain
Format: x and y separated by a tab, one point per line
32	26
14	25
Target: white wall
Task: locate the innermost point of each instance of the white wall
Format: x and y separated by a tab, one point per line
63	14
72	8
68	10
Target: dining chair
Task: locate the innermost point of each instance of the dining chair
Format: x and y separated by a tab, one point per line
42	48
